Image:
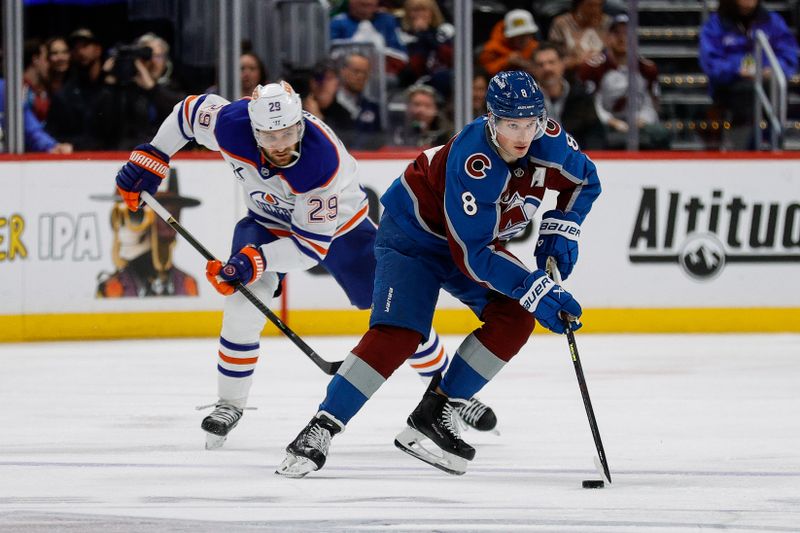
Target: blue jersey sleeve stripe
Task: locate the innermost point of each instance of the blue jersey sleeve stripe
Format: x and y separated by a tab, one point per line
196	107
180	125
309	235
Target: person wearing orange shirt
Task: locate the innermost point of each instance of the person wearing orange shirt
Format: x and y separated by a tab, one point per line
511	44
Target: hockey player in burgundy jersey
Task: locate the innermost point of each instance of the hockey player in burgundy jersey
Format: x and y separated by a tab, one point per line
444	226
305	207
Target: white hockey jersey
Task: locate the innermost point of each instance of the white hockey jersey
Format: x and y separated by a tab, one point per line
308	203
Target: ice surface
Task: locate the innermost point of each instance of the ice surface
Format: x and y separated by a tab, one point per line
701	432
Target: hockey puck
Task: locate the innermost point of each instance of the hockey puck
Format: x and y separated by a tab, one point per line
593	484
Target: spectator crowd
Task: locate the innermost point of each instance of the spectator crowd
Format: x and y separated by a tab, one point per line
388	80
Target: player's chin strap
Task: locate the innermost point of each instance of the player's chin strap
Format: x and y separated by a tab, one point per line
329	367
602	463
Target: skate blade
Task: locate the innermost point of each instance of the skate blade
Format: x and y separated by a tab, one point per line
295	467
214	442
411	441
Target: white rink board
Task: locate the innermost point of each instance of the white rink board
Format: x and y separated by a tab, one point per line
68	237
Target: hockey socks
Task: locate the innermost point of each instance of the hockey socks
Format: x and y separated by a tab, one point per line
235	365
430	358
472	367
350	388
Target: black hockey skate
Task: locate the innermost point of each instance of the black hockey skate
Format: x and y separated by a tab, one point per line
477	415
219	423
435	418
309	450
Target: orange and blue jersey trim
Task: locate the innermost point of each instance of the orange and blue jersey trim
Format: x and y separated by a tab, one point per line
243	159
310	235
356	219
323	164
185	117
306	246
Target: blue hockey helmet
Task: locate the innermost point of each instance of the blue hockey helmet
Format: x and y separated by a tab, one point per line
514	94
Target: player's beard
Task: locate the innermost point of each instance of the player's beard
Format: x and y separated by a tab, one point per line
282	158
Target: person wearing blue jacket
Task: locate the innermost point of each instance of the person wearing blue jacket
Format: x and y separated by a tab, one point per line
363	22
727	55
36	138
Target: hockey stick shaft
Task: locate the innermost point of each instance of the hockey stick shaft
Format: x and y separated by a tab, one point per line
329	367
576	362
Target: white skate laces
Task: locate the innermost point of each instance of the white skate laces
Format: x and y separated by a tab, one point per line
451	418
318	438
471	411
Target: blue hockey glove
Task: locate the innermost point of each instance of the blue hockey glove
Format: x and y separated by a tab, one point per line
244	267
145	169
548	302
558	237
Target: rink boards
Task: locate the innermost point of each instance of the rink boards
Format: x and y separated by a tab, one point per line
676	243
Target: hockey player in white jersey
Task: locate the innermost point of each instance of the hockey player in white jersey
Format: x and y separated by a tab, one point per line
305	207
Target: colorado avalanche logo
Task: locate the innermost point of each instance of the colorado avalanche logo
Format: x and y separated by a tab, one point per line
517	214
477	165
553	128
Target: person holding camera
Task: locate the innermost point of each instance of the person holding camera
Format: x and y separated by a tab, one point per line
137	94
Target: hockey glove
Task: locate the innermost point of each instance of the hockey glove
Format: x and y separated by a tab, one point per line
145	169
244	267
549	302
558	237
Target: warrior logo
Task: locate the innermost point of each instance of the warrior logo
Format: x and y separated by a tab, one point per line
477	165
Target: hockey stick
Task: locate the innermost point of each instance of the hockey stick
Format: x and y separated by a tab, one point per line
329	367
602	464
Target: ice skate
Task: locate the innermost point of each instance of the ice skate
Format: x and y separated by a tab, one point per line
477	415
433	434
309	450
219	423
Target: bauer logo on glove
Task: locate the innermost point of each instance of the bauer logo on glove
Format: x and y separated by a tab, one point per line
549	302
558	237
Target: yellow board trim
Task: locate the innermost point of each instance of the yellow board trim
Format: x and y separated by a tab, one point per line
95	326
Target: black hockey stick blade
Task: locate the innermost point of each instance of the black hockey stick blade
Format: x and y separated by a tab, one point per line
329	367
552	269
